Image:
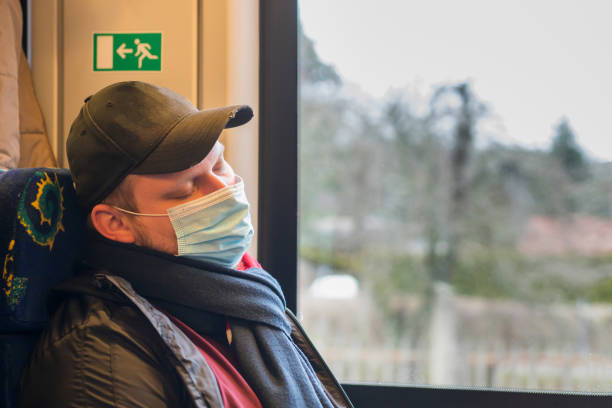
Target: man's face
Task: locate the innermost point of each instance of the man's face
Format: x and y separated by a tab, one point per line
154	194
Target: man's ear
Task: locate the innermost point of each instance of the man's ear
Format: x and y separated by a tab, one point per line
112	224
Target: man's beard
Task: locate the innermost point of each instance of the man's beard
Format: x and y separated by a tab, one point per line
145	239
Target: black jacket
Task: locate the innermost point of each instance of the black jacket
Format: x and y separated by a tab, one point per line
107	346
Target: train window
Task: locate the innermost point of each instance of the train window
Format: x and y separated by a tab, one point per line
455	192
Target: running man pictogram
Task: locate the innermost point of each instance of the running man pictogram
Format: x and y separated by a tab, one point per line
142	52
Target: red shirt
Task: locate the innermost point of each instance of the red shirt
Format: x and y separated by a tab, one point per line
235	391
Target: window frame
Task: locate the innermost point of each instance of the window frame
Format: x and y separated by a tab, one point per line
278	217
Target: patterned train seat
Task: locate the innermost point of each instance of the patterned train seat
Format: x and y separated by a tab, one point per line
41	230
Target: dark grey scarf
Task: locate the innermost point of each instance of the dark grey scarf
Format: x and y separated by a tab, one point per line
204	295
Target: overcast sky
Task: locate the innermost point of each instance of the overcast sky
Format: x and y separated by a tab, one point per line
532	62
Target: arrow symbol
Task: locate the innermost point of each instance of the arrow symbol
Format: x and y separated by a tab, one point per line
122	51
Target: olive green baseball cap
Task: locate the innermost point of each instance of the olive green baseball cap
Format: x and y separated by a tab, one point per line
140	128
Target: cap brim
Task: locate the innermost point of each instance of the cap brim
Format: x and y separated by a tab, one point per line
190	140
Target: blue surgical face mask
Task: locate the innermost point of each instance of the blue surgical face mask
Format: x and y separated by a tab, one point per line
215	228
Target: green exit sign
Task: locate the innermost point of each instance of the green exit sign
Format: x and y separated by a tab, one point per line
127	52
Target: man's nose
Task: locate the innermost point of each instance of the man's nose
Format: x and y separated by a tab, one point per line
210	183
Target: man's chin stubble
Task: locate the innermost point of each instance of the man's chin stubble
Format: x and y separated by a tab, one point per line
144	240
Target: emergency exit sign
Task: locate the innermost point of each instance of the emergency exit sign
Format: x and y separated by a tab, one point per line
127	52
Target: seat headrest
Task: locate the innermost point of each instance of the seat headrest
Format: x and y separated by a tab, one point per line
41	233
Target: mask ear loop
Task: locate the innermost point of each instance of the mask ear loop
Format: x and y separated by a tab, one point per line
135	213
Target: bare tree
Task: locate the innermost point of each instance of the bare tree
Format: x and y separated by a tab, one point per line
464	117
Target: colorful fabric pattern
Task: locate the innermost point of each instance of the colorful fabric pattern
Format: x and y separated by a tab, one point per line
41	208
37	208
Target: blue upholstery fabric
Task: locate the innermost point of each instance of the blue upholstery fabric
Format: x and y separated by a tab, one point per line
41	231
14	353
